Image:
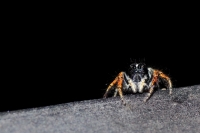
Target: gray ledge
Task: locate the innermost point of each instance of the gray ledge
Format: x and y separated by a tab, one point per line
178	113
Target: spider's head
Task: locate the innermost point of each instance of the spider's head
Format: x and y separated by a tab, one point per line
138	71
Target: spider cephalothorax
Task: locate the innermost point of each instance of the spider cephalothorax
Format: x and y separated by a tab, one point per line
138	72
139	79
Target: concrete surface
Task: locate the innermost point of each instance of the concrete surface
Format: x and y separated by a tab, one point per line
179	113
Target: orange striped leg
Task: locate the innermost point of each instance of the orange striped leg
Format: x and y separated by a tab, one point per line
119	86
162	75
113	83
149	94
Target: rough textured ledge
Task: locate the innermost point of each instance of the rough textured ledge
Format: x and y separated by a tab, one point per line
178	113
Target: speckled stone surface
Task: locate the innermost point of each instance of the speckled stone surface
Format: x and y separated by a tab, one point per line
178	113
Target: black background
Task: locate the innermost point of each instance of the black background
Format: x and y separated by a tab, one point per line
65	60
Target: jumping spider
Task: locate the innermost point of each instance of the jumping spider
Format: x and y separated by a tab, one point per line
139	78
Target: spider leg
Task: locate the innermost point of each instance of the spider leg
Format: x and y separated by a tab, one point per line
152	85
118	82
110	86
130	83
125	86
126	83
158	74
115	94
149	94
142	84
169	82
119	86
113	83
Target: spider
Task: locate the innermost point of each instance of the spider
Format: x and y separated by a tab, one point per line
140	78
